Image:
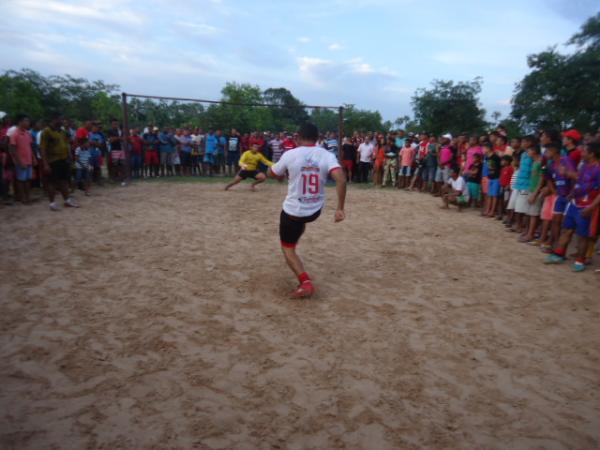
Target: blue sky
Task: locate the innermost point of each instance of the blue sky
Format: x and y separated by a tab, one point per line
372	53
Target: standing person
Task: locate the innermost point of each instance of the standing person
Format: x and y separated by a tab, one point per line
234	145
332	143
506	174
431	164
348	158
210	151
407	157
185	143
151	158
444	161
22	155
117	153
571	140
83	156
137	150
390	166
276	147
54	146
288	143
220	155
535	194
365	155
492	162
379	159
308	167
522	185
473	179
582	212
249	168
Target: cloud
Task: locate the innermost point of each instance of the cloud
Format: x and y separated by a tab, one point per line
504	102
335	47
198	29
304	39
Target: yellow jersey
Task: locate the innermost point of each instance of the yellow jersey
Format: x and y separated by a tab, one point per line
250	160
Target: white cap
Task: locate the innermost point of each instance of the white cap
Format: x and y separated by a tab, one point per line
447	136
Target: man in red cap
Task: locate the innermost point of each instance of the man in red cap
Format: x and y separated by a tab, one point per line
571	140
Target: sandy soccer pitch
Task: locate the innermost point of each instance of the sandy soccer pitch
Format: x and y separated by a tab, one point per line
156	317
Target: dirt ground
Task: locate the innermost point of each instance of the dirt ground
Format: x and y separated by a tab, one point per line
156	317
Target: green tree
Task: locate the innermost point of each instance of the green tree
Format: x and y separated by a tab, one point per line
449	107
562	90
290	115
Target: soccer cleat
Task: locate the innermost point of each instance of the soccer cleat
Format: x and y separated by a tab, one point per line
71	203
304	290
554	259
577	267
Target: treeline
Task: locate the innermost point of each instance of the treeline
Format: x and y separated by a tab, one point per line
561	91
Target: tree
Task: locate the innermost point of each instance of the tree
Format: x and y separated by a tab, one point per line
361	120
562	90
291	114
449	107
325	119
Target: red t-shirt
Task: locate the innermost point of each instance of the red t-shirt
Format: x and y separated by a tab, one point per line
505	175
575	156
82	133
136	145
288	144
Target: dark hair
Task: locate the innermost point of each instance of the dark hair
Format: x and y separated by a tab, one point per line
554	135
507	158
501	136
455	169
594	148
531	138
535	149
488	144
554	145
308	132
477	155
21	117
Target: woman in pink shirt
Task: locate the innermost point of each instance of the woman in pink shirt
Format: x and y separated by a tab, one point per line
474	149
407	157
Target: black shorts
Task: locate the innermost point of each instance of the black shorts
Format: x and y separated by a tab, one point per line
60	171
291	228
243	174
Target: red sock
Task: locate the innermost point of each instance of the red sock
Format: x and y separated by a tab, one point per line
303	277
560	251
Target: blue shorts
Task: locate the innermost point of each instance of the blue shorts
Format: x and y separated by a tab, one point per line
575	221
209	158
405	171
560	206
82	175
494	187
233	158
23	173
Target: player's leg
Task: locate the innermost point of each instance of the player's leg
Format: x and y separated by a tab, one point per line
260	178
237	180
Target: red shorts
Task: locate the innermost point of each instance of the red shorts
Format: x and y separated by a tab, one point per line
348	164
151	158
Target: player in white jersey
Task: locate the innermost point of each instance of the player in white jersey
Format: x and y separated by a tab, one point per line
308	167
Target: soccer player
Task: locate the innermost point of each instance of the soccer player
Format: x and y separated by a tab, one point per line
249	164
308	167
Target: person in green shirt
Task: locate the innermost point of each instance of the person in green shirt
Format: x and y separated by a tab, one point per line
54	147
535	193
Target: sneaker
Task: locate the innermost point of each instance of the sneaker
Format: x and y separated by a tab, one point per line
304	290
554	259
577	266
123	184
54	207
71	203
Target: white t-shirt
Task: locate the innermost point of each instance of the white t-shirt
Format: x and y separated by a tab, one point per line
366	151
308	168
459	185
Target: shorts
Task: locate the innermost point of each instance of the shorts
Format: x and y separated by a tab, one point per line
405	171
535	209
548	207
60	171
291	228
165	159
442	174
493	187
83	175
151	158
186	159
220	159
428	173
506	193
23	173
209	159
474	190
462	199
522	202
243	174
485	185
512	201
136	161
348	164
560	205
575	221
233	158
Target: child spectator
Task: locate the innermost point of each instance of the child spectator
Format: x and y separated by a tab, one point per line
506	173
493	173
444	161
456	192
522	186
534	199
473	178
390	167
22	155
407	157
513	194
137	149
83	158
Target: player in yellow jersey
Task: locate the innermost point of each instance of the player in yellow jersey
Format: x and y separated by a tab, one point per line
249	165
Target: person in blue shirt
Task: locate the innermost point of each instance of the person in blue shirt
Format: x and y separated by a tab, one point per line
210	151
166	147
522	182
220	155
97	148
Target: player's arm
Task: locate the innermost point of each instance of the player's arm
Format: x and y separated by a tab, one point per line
278	170
340	186
244	160
265	160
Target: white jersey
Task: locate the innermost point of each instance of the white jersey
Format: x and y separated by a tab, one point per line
308	168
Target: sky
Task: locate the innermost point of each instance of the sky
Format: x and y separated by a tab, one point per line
370	53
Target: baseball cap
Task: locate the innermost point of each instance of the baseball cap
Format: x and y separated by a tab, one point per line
447	136
573	134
